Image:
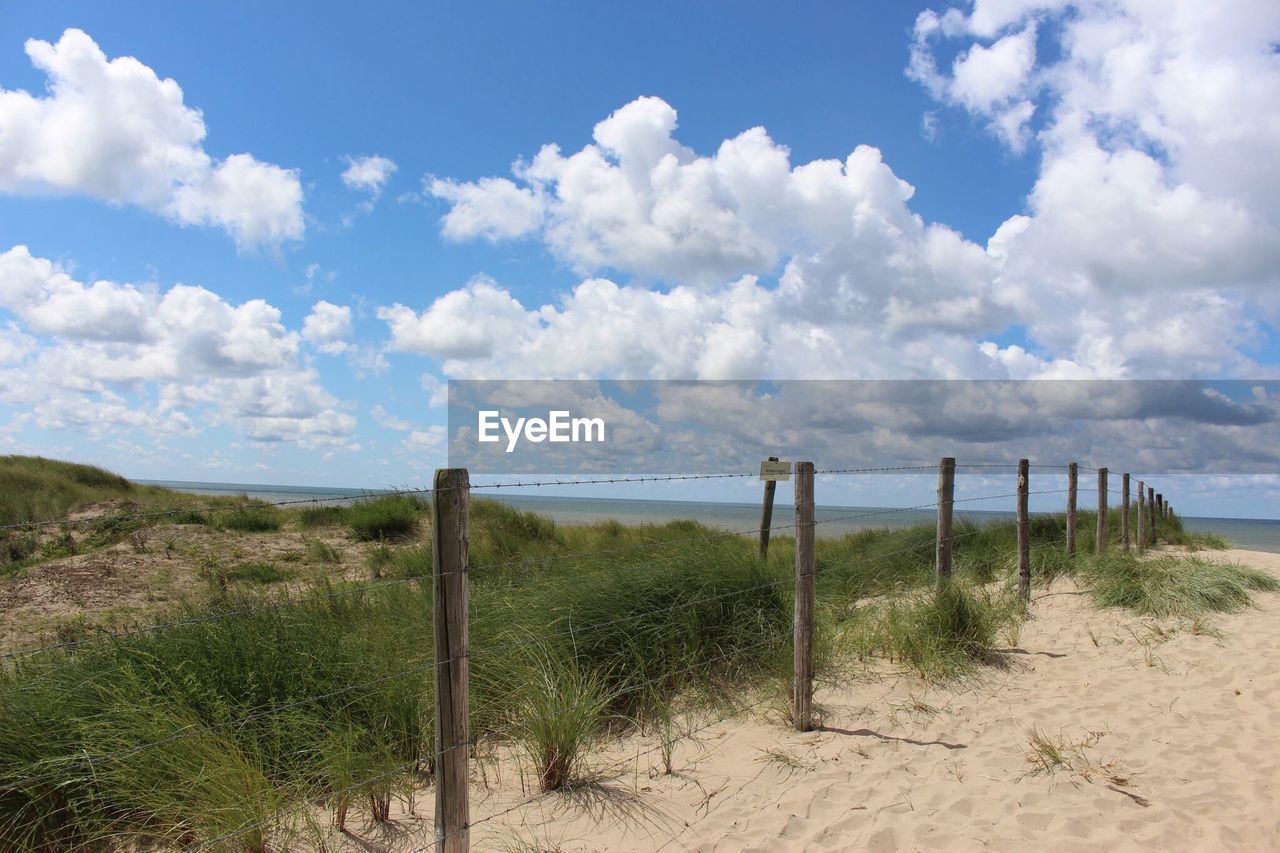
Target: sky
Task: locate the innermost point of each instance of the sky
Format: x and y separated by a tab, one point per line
246	243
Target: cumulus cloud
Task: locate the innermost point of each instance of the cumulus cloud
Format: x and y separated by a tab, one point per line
857	277
1148	246
368	174
327	327
104	355
113	129
492	208
1151	241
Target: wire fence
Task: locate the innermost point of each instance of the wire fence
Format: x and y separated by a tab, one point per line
83	767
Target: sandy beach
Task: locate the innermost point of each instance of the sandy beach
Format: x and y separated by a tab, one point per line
1153	736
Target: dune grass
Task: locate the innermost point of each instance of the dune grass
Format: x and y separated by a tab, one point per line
257	572
1172	587
322	553
322	516
941	633
33	488
384	517
252	517
36	489
605	653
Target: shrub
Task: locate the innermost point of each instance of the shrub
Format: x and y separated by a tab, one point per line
254	518
384	517
189	516
323	516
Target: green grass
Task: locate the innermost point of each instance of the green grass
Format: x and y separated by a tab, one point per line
561	709
939	633
1166	586
322	553
385	517
322	516
187	517
251	518
33	488
258	573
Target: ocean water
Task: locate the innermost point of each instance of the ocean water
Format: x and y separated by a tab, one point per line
1249	533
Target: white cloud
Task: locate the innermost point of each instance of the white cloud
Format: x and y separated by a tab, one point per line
861	276
368	174
993	81
114	130
1149	245
14	345
437	391
987	76
1151	242
467	323
328	326
432	438
385	419
492	208
93	357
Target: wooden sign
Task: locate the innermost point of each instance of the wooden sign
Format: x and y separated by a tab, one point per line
772	469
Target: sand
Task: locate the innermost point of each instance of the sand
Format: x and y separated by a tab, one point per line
1169	740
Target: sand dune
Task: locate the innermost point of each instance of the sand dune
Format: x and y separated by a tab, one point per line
1168	741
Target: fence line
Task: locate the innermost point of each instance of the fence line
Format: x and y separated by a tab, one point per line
368	494
359	589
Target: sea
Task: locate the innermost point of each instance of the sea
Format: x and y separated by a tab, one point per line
1248	533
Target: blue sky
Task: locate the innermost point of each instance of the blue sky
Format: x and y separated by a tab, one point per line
1089	197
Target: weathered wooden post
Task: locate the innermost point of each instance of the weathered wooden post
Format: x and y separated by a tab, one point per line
1124	512
1160	505
1072	473
946	502
806	569
1151	512
1142	517
1101	544
766	513
450	510
1024	531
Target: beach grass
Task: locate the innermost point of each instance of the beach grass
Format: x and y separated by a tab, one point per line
384	517
1169	586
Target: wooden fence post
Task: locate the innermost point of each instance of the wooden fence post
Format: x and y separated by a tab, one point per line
450	510
1160	505
766	513
1124	512
1102	512
1024	532
946	502
1142	516
806	569
1072	474
1151	512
